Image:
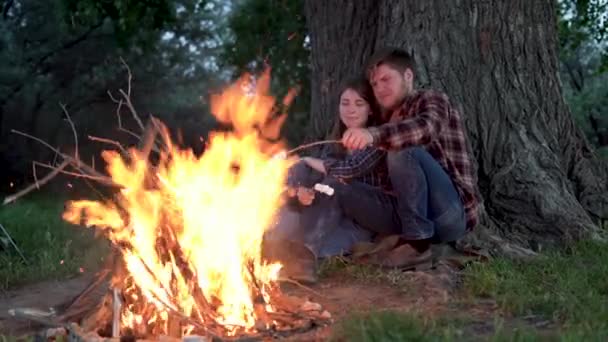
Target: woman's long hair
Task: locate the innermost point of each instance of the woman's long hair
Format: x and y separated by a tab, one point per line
364	89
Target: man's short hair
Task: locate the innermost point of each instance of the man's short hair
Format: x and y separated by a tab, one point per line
394	57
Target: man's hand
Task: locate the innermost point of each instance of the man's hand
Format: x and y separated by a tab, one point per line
357	138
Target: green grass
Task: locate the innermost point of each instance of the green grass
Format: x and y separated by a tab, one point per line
390	326
5	338
569	288
402	326
366	273
52	247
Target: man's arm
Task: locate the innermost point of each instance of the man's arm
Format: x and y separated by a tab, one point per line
357	164
419	130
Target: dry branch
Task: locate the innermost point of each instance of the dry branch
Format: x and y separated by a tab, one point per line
155	137
87	171
127	96
108	141
35	176
82	169
100	179
36	185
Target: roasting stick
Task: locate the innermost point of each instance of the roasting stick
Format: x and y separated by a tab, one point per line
316	143
284	154
319	187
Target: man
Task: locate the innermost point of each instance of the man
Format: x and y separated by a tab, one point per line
435	197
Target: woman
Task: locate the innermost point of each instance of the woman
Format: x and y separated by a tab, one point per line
357	108
313	223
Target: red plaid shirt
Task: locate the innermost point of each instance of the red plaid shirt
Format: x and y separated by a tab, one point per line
427	119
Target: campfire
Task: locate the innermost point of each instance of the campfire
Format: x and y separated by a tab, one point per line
189	230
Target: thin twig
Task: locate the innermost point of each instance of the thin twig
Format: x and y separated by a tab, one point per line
65	111
161	129
101	196
38	140
113	98
132	109
127	96
10	239
295	282
86	170
130	133
129	75
91	173
316	143
35	177
101	179
119	118
109	141
54	158
44	180
118	108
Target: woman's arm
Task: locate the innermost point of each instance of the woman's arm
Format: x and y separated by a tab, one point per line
358	163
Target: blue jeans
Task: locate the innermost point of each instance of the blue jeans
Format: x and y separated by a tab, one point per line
321	226
426	204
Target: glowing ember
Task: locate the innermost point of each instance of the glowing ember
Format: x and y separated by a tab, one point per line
190	229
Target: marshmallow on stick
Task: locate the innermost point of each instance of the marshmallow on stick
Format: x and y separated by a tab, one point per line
323	188
281	155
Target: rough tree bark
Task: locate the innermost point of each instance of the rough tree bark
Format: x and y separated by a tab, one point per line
497	60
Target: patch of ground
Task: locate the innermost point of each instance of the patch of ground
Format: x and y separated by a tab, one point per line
42	295
343	292
351	291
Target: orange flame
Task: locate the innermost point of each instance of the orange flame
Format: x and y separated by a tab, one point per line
191	228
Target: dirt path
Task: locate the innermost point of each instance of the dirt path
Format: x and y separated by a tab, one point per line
43	295
342	294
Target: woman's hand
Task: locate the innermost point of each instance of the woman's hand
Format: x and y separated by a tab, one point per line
305	195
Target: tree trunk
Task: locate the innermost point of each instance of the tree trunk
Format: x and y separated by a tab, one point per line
497	60
341	39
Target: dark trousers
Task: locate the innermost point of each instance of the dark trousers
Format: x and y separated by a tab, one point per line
425	205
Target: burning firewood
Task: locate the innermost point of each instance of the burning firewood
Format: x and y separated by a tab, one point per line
187	231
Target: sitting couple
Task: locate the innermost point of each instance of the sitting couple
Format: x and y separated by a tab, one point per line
403	170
